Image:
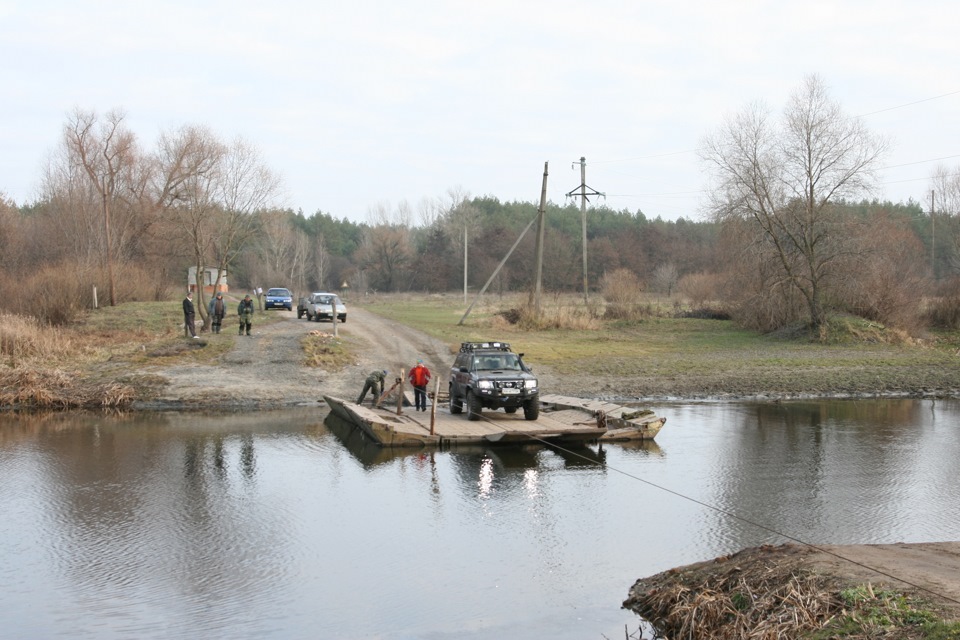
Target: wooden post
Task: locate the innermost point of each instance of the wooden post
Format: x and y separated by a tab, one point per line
538	283
433	406
400	394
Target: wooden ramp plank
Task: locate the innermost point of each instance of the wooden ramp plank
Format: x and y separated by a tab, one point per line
571	419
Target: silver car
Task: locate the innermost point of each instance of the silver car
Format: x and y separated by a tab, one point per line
321	305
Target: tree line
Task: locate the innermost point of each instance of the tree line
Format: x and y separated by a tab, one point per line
790	235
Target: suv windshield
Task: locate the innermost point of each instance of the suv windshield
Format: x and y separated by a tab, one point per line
499	362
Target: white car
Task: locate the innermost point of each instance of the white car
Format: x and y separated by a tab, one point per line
320	307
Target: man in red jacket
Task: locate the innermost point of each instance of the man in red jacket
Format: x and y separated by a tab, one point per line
419	377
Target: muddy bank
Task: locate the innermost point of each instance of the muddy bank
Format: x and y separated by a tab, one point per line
789	590
266	371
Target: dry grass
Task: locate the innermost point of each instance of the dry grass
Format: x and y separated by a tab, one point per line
26	340
59	389
77	365
324	350
763	593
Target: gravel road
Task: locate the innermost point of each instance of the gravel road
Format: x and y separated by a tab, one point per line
265	369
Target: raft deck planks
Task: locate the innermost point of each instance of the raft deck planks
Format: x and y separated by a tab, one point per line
412	428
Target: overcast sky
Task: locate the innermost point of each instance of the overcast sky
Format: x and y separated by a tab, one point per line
363	104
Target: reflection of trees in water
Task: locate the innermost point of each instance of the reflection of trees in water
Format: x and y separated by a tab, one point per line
208	453
815	468
175	487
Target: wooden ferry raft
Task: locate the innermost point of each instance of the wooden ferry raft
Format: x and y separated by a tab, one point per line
562	420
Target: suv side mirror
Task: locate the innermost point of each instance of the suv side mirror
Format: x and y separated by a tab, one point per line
464	370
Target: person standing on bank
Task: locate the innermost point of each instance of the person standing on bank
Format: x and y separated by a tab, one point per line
376	382
189	315
419	377
217	309
246	314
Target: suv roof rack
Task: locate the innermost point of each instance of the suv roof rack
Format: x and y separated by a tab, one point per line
469	347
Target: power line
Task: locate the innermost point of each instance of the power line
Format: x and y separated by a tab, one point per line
910	104
675	153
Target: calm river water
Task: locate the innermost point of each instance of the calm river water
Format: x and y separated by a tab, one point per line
277	525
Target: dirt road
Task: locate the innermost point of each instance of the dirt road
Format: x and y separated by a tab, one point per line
265	369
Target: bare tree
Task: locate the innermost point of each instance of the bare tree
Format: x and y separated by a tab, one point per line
190	161
385	254
665	278
321	261
945	185
788	178
247	186
104	149
945	218
213	191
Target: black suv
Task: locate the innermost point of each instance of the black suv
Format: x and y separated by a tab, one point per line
489	375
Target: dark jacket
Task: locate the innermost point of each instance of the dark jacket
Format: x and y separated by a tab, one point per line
217	312
188	307
245	309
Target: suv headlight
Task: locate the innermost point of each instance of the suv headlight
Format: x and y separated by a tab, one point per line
529	384
485	384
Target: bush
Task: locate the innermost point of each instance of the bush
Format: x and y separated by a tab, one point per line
944	310
621	289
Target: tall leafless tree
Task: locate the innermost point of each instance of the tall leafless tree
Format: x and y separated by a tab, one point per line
105	150
787	176
190	163
213	191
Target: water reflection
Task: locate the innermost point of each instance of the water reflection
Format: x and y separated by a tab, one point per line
284	524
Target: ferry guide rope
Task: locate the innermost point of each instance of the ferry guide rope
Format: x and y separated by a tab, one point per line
753	523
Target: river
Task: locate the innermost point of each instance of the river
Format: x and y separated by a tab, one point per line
284	525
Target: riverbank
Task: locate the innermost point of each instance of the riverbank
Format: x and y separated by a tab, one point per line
904	591
135	356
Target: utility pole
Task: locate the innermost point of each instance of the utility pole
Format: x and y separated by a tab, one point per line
464	262
933	238
539	217
583	219
542	224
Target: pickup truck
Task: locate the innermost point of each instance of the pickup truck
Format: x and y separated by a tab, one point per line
319	306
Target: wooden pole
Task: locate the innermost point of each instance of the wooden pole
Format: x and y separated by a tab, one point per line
433	406
538	285
400	394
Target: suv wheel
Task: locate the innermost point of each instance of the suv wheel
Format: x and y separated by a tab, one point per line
456	405
474	407
531	409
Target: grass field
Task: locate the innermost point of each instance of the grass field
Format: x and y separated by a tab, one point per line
660	354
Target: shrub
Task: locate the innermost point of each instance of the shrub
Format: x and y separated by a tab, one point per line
944	310
621	289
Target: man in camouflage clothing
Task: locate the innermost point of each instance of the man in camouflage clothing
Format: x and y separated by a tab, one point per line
246	314
376	382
